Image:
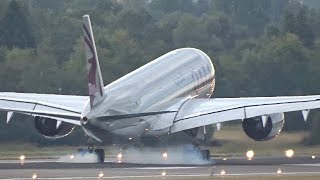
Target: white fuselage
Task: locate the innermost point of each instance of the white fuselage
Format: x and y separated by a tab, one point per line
152	95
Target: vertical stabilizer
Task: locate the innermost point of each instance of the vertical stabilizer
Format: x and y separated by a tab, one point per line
95	82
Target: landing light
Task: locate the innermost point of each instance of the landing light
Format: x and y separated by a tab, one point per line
165	155
289	153
34	176
250	154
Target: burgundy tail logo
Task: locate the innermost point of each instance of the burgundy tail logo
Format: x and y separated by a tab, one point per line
93	81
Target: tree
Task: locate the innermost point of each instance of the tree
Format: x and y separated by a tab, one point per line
298	23
138	22
285	67
16	30
190	32
219	27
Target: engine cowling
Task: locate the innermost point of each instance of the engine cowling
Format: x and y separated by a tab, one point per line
254	129
48	128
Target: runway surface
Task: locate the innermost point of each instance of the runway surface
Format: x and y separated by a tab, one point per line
51	169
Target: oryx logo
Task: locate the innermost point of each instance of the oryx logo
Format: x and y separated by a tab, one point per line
92	73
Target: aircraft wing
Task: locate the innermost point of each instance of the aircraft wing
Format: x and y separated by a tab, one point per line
60	107
201	112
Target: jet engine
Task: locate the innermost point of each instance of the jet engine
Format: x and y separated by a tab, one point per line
254	128
50	129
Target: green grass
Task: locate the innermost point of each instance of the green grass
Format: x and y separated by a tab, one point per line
13	151
235	142
233	139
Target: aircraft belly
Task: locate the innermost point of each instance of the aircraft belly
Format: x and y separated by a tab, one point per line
154	125
132	131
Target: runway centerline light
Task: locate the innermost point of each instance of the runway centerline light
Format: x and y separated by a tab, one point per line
165	155
163	173
250	154
289	153
100	174
34	176
223	172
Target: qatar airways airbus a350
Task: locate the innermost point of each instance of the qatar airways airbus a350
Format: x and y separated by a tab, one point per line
168	95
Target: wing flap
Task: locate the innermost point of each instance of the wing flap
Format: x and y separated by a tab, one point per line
201	112
60	107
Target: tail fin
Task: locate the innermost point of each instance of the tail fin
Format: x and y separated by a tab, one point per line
95	82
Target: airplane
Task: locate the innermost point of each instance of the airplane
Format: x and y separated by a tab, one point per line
168	95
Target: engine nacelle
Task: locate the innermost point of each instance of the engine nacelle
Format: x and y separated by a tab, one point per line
48	128
253	127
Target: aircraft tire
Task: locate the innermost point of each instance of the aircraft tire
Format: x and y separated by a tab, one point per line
100	154
205	154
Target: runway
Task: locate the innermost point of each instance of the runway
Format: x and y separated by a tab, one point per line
230	167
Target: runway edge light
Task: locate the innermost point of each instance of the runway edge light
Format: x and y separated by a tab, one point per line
250	154
34	176
223	172
279	171
289	153
100	174
164	173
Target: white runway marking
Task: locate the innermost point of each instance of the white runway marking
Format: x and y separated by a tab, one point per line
157	168
315	165
175	175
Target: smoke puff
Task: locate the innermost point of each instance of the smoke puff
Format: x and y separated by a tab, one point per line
79	158
176	155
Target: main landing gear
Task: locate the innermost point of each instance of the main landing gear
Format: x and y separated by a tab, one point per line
204	153
98	152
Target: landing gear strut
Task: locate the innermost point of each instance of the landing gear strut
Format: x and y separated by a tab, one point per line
204	153
99	152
